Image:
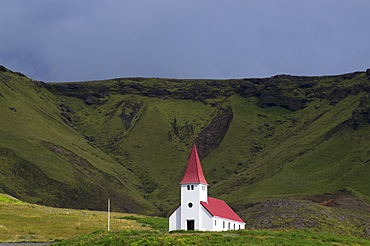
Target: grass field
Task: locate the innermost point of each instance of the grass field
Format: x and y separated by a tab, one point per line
28	222
247	237
24	222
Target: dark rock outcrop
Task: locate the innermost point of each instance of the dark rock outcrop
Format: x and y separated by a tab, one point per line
331	215
368	72
214	133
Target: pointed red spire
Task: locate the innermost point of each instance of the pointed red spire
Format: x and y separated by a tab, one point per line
194	172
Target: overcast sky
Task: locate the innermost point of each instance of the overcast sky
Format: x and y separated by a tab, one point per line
76	40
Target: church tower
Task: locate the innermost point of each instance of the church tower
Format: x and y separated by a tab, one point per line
194	190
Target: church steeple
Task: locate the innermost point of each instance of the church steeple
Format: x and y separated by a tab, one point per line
194	173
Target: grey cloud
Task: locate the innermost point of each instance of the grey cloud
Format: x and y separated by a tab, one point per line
91	40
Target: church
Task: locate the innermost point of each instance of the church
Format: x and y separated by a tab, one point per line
197	211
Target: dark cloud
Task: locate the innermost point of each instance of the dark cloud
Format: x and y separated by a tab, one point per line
91	40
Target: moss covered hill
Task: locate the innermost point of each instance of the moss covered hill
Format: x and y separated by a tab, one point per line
76	144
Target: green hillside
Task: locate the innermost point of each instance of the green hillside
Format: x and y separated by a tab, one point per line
76	144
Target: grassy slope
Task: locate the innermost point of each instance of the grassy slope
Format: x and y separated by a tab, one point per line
31	171
29	222
143	140
309	156
147	146
304	156
266	151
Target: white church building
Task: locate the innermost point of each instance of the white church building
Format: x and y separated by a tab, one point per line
197	211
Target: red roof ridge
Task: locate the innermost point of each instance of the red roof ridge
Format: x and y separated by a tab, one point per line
194	172
219	208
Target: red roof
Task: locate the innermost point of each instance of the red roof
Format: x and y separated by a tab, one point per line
219	208
194	172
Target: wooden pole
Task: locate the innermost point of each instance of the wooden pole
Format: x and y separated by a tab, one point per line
108	214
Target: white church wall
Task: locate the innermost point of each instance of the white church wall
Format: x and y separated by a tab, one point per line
191	195
222	224
175	220
188	197
206	220
203	192
195	192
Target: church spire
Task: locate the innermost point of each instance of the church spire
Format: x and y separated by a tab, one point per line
194	172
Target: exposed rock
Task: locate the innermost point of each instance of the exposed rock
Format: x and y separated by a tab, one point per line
361	115
90	101
280	213
346	202
3	69
213	134
90	138
331	215
14	109
181	131
247	89
368	72
367	231
338	94
67	116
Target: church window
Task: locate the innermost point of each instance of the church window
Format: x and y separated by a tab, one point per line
215	222
192	187
203	188
234	226
229	226
223	224
188	187
190	205
239	227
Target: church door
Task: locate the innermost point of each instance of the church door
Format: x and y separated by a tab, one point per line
190	225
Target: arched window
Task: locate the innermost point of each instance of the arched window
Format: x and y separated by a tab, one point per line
192	187
188	187
223	224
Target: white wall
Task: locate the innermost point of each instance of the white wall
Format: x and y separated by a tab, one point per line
175	219
221	224
193	196
206	220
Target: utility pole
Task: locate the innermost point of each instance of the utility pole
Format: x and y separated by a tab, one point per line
108	214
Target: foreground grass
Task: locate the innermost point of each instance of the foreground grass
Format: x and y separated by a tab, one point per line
28	222
23	222
214	238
